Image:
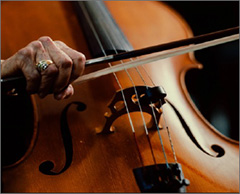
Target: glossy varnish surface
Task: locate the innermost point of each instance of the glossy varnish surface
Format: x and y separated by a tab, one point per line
104	162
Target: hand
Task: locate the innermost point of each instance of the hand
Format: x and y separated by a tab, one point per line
67	65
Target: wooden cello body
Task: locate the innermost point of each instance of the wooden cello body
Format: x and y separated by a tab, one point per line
84	160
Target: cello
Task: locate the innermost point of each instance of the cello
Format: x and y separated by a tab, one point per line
68	151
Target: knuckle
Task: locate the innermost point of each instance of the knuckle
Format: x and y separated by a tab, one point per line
65	63
37	44
45	39
81	58
79	65
25	52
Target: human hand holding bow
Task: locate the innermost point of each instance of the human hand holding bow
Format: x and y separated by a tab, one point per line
48	67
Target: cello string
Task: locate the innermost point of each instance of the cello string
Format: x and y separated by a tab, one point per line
146	131
140	107
139	104
116	78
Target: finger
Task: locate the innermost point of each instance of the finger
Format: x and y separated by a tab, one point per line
48	75
77	58
25	61
69	91
10	67
47	82
61	60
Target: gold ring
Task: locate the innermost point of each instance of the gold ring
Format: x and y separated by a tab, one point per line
43	64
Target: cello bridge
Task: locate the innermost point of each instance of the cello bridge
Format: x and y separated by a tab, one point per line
149	98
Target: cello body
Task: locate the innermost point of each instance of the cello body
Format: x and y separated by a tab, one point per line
84	160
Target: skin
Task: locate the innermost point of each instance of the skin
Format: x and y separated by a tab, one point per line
68	64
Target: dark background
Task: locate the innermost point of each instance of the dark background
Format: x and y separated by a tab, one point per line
215	88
